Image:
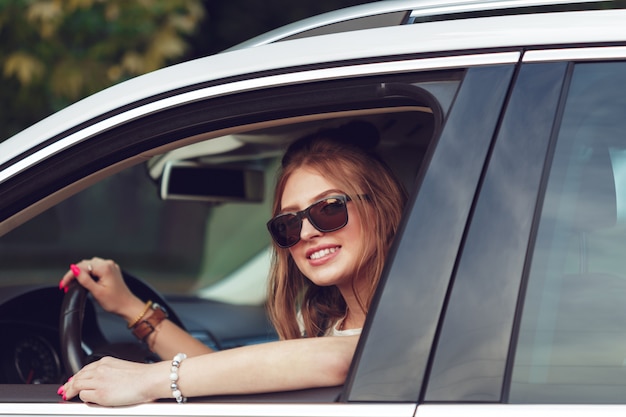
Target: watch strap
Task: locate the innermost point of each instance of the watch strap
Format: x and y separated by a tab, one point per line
146	326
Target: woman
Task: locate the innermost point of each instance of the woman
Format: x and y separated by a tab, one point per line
336	210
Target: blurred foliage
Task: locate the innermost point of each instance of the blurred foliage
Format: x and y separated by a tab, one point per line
57	51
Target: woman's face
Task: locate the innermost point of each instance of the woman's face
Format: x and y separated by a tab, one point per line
325	258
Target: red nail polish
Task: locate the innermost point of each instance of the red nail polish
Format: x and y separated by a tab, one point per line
65	289
75	270
64	397
61	285
61	390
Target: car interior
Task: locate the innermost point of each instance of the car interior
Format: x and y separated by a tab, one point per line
188	228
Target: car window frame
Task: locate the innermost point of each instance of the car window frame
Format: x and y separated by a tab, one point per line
76	159
79	165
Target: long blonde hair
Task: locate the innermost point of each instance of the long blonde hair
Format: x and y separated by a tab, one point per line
338	155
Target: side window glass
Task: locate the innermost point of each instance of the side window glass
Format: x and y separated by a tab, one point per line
572	338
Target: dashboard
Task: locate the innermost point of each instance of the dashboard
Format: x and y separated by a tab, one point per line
30	348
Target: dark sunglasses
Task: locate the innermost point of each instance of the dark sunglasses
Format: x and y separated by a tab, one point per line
326	215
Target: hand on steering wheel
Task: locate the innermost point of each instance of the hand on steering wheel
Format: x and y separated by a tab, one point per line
103	279
109	285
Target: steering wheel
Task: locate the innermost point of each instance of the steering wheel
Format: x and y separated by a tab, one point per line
73	312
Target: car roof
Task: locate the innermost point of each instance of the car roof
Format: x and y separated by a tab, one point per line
147	92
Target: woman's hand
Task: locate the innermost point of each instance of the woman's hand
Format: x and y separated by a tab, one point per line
115	382
103	279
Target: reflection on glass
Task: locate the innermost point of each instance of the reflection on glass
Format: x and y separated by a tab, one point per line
572	340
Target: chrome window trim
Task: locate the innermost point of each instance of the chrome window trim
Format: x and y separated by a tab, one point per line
576	54
212	409
380	68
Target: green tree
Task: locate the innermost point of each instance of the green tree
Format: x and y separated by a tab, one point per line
55	52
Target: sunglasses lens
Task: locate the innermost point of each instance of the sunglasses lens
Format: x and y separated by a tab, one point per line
329	215
286	229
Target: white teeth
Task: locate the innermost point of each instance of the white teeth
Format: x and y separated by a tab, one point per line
321	253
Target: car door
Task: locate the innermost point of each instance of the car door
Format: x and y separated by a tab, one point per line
464	96
534	320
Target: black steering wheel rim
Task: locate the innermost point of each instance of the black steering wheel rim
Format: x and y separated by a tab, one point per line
71	327
73	311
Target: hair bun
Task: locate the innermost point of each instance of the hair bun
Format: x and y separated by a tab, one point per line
360	134
356	134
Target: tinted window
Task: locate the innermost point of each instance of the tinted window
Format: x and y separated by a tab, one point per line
473	345
572	340
412	293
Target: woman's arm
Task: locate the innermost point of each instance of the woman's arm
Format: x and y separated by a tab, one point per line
269	367
168	339
113	295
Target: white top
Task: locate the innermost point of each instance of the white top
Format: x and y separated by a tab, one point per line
333	331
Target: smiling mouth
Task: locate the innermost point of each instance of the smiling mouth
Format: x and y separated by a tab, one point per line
324	252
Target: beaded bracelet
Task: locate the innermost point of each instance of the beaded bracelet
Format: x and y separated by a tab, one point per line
178	359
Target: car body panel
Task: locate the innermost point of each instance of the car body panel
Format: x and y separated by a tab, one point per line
235	87
438	37
220	409
498	410
576	54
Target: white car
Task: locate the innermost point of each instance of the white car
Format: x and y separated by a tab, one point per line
505	293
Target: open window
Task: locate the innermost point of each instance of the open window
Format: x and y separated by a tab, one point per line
202	243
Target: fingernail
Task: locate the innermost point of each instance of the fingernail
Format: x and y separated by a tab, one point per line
64	397
75	270
65	289
61	390
61	285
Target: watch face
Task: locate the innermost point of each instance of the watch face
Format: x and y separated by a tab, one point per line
157	306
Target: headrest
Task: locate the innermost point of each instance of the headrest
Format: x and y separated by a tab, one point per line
596	205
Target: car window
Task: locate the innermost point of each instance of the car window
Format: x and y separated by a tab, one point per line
210	259
571	346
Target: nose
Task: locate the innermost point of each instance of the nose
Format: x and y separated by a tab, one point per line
308	231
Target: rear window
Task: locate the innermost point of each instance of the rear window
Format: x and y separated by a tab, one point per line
572	340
